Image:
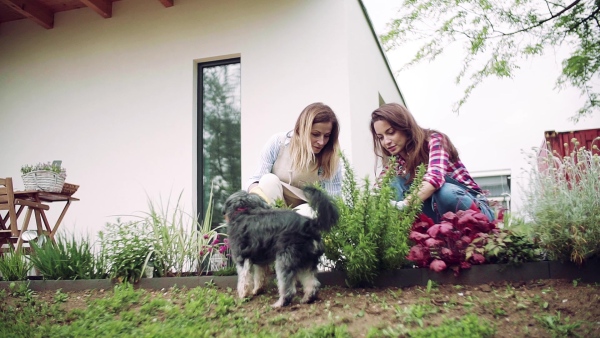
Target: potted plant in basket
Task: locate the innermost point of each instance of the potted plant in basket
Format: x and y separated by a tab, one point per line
49	177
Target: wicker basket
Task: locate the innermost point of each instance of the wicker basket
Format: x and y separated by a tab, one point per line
69	189
44	180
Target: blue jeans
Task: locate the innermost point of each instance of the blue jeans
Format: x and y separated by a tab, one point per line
452	196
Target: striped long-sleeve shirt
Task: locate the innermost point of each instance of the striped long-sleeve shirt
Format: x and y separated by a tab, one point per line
439	166
269	154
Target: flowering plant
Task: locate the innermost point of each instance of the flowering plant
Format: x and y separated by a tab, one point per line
562	201
456	243
215	254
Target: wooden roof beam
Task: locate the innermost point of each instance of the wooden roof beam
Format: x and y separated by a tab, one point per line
166	3
102	7
33	10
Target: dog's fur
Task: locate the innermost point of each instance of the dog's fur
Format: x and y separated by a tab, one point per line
260	235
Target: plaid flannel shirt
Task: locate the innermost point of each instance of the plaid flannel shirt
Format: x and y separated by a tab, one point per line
439	166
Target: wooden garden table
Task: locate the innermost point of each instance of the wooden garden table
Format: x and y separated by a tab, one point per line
43	225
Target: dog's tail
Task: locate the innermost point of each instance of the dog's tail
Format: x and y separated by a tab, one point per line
327	212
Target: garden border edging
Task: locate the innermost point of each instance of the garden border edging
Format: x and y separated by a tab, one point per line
478	274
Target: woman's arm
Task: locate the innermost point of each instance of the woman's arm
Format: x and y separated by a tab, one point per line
333	186
436	168
268	156
425	191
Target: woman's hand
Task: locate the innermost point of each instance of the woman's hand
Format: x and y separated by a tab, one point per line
399	204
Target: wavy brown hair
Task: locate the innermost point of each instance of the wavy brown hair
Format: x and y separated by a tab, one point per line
301	152
417	145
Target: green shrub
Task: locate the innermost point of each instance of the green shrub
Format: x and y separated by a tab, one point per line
65	259
173	234
371	235
511	246
14	266
563	202
182	242
168	238
127	248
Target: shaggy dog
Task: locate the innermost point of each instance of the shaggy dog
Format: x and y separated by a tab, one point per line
260	235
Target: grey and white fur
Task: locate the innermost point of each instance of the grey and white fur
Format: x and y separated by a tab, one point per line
260	235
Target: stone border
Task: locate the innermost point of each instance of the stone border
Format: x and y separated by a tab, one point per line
478	274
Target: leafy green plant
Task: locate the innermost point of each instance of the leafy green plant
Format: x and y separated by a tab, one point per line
14	266
173	235
416	313
127	247
65	258
509	246
25	169
324	331
468	326
21	290
60	297
169	239
557	326
563	202
371	235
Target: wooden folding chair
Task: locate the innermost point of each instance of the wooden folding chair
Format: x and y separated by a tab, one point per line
10	232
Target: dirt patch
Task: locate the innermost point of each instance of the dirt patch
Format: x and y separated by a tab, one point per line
512	307
516	309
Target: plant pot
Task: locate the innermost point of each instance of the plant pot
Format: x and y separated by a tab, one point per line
149	271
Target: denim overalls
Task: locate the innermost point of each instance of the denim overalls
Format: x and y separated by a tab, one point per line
451	196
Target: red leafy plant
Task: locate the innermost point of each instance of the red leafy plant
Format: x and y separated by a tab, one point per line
456	242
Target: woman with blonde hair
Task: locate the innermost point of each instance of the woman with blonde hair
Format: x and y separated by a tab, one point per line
308	154
447	184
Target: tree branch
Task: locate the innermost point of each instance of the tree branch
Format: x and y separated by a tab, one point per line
540	22
548	6
591	16
559	13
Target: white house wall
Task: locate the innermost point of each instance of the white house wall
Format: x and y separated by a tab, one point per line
115	99
369	77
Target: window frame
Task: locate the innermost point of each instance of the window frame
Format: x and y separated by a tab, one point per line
200	129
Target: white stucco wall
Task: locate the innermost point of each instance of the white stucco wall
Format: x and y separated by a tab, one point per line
369	78
115	99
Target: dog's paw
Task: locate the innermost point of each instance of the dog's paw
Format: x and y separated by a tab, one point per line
281	302
307	299
243	292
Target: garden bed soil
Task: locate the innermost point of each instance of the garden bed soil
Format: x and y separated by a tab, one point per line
515	308
516	300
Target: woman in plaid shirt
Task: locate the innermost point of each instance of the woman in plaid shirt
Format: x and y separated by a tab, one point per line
447	185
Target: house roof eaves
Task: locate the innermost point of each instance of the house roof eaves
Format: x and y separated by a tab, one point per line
387	63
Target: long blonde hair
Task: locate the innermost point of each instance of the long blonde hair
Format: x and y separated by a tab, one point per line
301	152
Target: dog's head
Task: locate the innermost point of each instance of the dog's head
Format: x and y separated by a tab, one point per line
242	201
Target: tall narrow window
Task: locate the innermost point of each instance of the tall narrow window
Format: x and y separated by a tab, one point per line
219	164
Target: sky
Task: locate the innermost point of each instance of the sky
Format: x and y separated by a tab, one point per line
503	120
